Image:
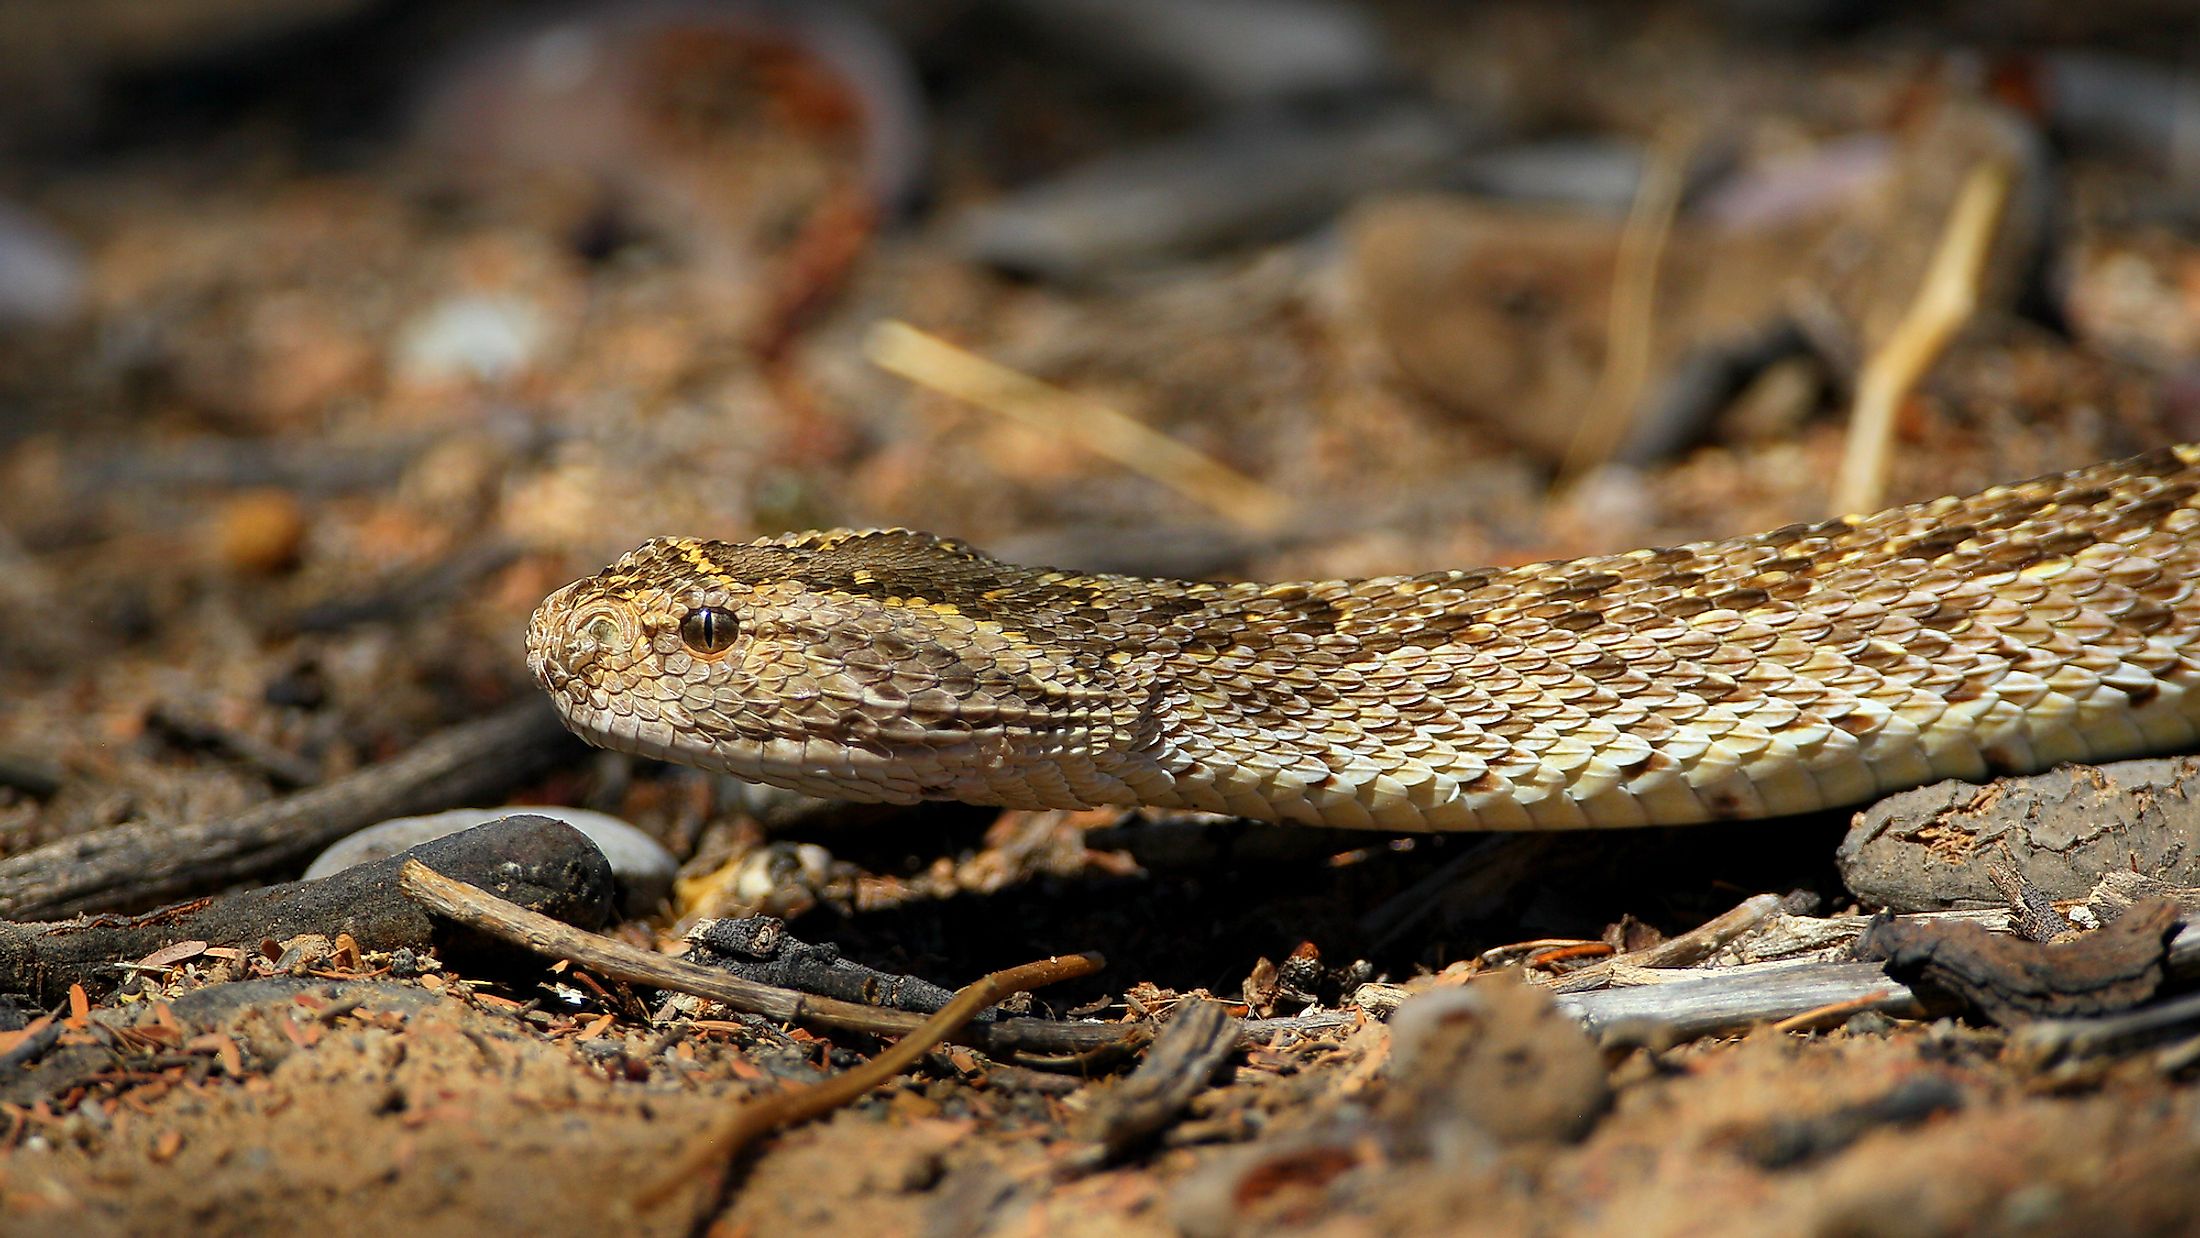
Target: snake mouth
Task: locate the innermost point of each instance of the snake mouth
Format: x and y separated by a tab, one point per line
545	646
827	771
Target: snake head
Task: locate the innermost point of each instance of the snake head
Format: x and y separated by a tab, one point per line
839	664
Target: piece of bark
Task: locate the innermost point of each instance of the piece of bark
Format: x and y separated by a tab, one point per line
2032	915
1730	999
2116	893
141	865
1181	1063
2053	1041
545	865
760	949
2013	981
1733	998
1680	951
1928	849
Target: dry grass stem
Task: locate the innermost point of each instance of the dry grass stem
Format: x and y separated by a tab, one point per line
930	361
1631	325
1945	301
756	1118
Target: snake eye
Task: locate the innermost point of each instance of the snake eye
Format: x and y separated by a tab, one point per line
709	629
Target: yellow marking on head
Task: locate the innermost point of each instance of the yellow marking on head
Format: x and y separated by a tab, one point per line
861	576
704	565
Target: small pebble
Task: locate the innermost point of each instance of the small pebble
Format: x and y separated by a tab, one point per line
783	879
478	337
260	532
644	868
41	271
1239	52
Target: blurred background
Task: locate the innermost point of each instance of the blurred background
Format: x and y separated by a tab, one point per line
335	334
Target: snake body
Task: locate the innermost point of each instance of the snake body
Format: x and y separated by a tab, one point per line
1815	666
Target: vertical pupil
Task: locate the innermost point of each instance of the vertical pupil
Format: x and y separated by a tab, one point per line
708	630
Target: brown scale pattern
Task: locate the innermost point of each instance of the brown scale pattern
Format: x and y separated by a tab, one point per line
1813	666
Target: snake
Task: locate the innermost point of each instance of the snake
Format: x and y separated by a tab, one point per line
1817	666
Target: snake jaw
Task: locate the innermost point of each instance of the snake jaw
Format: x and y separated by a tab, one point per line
544	659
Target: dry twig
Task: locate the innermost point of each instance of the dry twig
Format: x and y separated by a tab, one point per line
141	865
1728	999
479	909
1630	332
763	1115
1945	301
1679	951
1835	1012
1182	1062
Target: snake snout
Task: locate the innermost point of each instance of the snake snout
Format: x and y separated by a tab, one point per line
576	631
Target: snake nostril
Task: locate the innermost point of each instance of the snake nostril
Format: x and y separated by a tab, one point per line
602	632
